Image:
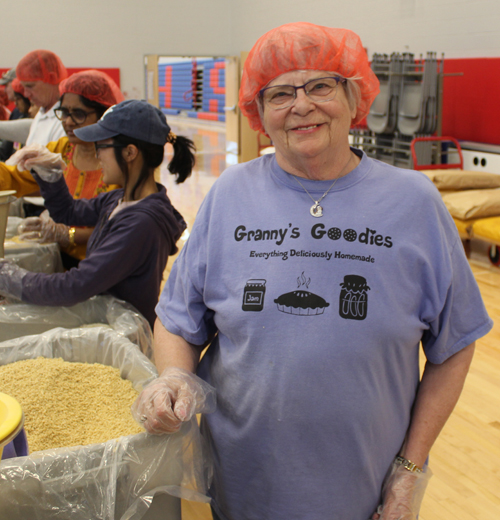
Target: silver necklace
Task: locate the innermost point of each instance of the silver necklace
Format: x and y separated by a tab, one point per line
316	210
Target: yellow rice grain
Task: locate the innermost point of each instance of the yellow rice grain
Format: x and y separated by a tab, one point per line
69	404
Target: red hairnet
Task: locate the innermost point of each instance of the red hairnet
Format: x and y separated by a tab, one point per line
17	87
4	98
93	85
4	101
43	66
305	46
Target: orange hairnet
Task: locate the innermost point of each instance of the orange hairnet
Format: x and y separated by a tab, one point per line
17	87
305	46
43	66
93	85
4	99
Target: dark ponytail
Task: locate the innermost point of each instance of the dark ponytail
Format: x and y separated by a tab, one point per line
182	163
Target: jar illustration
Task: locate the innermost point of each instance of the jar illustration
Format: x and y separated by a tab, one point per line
253	295
353	298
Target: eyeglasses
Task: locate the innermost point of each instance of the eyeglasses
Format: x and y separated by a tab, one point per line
103	146
319	90
77	115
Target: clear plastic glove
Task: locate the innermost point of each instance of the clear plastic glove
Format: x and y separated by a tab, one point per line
402	494
43	229
11	280
171	399
48	165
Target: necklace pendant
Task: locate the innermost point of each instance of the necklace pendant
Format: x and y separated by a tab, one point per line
316	210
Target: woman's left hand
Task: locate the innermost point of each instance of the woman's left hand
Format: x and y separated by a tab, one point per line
44	230
402	494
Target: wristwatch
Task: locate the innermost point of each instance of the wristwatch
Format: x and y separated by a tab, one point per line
407	464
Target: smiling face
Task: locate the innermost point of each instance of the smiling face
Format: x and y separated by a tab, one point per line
308	131
73	102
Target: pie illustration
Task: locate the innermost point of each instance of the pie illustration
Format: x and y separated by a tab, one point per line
302	303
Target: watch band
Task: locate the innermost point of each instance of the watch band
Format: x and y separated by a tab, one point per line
71	236
407	464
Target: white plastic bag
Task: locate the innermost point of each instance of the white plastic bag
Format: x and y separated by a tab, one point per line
22	319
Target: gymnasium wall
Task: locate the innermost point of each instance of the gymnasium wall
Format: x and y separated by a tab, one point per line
119	33
115	33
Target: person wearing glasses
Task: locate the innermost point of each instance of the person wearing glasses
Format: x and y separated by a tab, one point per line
313	274
84	97
135	227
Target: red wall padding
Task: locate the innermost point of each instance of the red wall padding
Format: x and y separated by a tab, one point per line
471	103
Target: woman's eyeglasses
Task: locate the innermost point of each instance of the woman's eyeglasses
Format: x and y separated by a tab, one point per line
319	90
78	115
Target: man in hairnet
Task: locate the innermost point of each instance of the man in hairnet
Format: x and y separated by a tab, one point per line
40	73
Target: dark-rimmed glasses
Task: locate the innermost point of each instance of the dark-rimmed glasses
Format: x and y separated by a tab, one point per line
319	90
77	115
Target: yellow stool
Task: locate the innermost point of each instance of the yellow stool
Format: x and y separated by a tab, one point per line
11	420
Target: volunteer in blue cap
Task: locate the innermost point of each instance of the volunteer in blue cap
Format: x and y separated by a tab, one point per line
136	227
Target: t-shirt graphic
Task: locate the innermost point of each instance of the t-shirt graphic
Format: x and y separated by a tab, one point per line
253	295
300	302
353	298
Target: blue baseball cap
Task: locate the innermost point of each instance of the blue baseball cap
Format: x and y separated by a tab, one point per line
133	118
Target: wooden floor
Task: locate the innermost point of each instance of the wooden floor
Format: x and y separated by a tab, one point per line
466	458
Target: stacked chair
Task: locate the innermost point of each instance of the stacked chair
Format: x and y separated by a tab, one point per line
417	109
406	107
383	116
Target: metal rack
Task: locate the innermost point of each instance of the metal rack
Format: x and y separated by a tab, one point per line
408	106
390	148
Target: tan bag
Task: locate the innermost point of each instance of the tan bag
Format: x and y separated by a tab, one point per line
473	203
462	179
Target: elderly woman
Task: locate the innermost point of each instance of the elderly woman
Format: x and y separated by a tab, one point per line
319	271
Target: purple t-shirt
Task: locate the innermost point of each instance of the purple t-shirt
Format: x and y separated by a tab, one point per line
319	322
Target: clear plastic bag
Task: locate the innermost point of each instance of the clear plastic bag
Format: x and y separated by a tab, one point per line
22	319
32	256
123	478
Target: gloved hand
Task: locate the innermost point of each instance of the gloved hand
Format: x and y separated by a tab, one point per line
171	399
49	166
43	229
402	494
11	280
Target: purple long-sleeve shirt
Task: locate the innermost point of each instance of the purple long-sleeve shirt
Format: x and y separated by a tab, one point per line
126	255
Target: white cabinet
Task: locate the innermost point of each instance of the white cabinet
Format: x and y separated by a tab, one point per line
481	157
